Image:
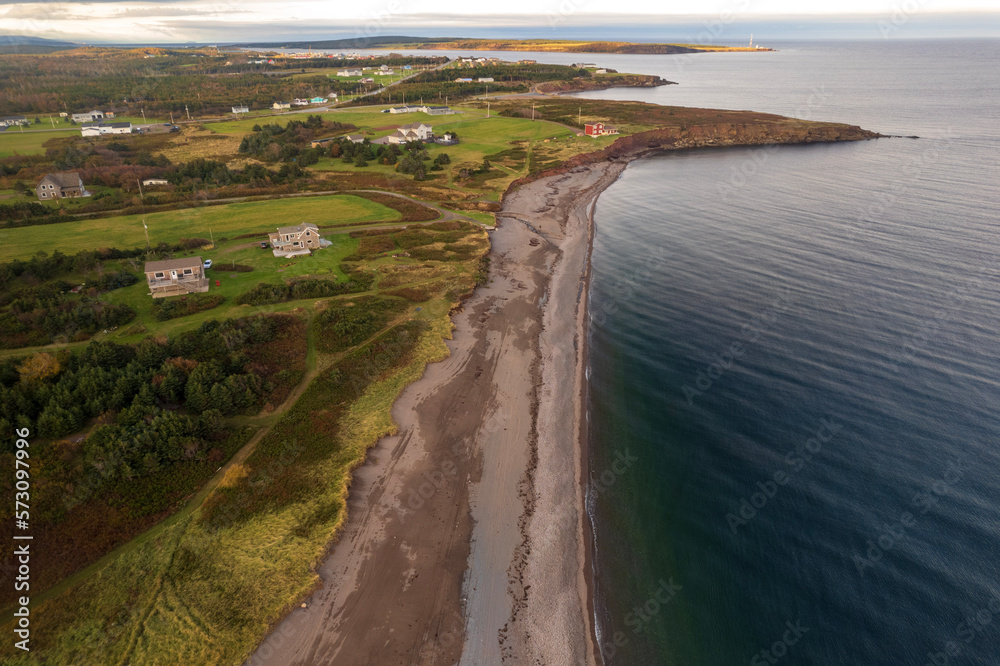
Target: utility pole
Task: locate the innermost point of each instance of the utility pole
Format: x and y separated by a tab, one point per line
532	110
187	112
171	117
143	112
141	196
487	109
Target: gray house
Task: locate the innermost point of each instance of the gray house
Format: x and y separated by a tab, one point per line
172	277
295	241
60	185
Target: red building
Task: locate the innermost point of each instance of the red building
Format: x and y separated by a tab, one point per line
599	129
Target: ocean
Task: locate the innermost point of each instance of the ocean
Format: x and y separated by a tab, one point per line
795	368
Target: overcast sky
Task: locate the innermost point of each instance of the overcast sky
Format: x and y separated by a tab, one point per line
131	21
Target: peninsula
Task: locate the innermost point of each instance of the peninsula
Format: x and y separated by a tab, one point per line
537	45
366	448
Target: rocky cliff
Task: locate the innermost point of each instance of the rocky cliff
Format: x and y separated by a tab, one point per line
774	130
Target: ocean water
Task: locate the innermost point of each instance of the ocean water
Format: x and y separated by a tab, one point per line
795	369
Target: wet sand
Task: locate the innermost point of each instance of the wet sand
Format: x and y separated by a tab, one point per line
465	536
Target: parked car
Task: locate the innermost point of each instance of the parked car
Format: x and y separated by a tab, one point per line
208	263
263	245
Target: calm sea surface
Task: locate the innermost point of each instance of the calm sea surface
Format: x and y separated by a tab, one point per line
795	369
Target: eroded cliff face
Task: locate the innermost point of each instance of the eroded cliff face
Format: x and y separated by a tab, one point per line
769	132
603	83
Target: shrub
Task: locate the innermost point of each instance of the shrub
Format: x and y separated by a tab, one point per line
182	306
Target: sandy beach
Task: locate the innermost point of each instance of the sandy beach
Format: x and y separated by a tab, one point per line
464	541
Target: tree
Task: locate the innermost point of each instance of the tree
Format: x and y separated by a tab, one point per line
38	367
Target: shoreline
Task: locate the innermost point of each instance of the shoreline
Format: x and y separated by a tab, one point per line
459	546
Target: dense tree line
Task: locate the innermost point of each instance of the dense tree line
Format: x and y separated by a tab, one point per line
153	406
267	293
128	81
274	143
48	313
408	158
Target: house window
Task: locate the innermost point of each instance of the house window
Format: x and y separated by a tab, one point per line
159	276
187	271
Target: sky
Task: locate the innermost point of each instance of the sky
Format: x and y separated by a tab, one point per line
725	21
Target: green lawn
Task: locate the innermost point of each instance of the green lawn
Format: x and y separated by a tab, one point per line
227	220
323	263
28	142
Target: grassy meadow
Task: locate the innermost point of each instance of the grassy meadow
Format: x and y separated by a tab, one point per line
204	585
215	221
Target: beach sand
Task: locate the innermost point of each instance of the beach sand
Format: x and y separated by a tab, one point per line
465	537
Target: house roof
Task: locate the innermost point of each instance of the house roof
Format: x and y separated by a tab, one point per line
298	229
66	179
173	264
413	126
356	137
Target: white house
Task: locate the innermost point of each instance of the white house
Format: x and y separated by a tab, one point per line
403	109
436	110
385	72
350	72
485	79
300	102
100	129
278	106
241	109
412	132
155	181
90	116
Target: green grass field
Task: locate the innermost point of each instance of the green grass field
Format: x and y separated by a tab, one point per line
28	142
227	220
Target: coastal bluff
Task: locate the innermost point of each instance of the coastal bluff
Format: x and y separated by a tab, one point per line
745	129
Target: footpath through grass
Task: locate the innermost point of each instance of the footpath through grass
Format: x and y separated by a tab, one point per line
205	585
